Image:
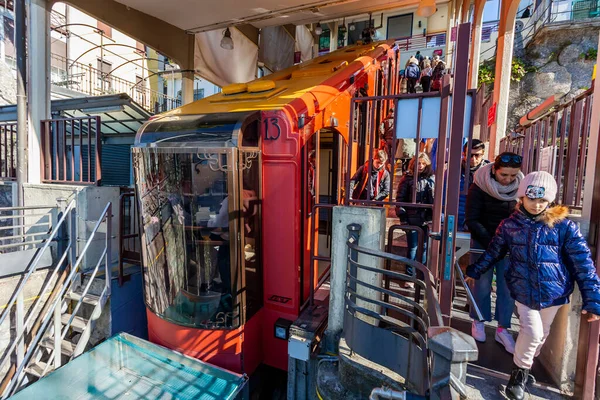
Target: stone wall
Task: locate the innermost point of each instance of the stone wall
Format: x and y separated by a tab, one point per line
8	85
561	69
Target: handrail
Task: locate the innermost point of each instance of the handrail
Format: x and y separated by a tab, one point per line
428	278
106	215
35	261
470	296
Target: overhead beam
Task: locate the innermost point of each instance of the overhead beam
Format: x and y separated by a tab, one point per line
165	38
250	32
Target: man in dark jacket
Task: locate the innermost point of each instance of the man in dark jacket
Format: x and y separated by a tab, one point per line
476	161
379	188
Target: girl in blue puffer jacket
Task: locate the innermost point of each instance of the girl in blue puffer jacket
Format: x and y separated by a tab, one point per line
547	255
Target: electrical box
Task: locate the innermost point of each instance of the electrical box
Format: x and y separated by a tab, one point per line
299	348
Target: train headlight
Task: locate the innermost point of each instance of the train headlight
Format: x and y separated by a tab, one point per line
282	328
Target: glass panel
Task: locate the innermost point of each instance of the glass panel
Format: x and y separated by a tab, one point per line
187	216
251	228
131	368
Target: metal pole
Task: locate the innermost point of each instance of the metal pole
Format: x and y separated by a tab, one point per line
102	62
20	44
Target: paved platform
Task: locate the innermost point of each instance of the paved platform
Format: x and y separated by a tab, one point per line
489	385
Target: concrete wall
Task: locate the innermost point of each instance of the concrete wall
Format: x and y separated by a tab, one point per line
91	203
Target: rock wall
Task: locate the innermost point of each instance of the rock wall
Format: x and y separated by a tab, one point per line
557	54
8	85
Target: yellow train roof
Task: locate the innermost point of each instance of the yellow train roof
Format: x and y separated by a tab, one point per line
278	89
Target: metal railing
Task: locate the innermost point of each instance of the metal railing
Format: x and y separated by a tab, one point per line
557	142
71	150
129	237
26	325
415	42
549	12
483	108
8	150
86	79
23	228
58	330
406	328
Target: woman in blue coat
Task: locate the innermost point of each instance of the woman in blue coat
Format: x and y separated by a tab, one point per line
547	255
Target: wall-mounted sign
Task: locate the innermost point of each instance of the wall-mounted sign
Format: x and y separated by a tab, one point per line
491	115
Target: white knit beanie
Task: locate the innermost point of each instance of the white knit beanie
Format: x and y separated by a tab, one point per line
538	184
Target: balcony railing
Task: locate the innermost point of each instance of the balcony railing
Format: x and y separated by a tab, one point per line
557	142
416	42
8	151
72	151
86	79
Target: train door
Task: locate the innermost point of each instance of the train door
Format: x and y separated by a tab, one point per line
324	154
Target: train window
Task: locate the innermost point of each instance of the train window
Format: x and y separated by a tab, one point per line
251	217
250	134
311	170
188	220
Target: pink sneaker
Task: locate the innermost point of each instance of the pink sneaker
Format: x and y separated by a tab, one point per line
504	337
478	331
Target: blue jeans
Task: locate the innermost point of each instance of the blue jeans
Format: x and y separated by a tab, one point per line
482	292
412	241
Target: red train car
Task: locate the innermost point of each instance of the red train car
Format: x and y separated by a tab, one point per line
226	187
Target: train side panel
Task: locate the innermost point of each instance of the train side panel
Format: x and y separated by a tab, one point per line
281	230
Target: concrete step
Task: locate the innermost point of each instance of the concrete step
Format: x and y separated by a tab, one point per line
67	347
78	324
37	368
89	298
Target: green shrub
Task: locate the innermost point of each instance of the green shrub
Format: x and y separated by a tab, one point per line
487	71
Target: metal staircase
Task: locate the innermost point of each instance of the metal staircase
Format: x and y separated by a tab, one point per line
58	325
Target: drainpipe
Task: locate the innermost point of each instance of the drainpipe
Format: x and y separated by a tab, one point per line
20	44
383	393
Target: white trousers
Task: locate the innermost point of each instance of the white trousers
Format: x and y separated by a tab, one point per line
535	327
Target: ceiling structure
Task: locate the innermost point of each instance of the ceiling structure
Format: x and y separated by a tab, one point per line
205	15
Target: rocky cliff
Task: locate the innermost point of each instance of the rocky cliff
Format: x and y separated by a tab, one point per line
563	58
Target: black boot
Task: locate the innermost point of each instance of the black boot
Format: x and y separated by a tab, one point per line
515	390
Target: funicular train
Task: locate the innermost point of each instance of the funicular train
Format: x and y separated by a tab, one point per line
226	188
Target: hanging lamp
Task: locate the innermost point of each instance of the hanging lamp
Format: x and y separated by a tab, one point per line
227	41
426	8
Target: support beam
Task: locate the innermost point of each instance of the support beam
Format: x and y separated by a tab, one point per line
476	43
587	355
39	83
20	44
156	33
504	55
464	12
250	32
452	12
187	87
333	36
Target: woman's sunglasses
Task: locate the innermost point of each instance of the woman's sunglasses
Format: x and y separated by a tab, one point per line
511	158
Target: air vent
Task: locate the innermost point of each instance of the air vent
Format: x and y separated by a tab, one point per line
235	88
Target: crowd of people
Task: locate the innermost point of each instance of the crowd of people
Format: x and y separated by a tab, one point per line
424	71
533	252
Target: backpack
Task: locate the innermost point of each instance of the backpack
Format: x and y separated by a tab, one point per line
412	71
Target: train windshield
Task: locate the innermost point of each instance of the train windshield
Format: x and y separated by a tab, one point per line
216	129
200	220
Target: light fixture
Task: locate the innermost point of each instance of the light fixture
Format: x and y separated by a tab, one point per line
342	29
318	29
227	41
352	27
426	8
282	328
